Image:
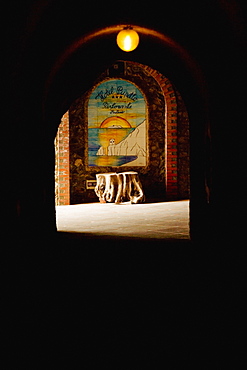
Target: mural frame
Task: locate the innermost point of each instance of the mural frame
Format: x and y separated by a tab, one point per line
97	169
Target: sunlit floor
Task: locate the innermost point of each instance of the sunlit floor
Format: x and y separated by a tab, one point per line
165	220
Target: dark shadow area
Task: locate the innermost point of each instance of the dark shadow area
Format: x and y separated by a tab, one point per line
115	240
116	300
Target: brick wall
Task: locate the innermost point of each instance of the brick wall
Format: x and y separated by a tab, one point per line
62	176
176	138
170	134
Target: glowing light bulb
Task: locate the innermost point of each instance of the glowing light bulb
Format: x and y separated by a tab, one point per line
128	39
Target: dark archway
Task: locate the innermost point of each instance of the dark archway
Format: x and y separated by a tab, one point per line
79	66
45	30
72	298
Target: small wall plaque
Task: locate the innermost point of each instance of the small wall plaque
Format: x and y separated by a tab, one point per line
91	184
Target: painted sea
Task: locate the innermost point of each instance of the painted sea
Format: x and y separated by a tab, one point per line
109	160
98	138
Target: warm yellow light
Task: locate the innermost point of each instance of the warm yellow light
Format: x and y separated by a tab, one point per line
128	39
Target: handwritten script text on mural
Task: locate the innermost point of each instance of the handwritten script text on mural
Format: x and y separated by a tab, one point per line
103	94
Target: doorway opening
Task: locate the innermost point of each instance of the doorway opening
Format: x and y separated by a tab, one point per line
164	172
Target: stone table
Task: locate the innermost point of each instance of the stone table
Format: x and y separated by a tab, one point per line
119	187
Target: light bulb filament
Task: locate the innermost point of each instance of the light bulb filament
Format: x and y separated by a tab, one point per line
127	43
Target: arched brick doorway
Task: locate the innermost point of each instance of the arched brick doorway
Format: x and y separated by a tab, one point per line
174	173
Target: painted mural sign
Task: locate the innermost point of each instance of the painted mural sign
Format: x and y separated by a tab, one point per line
117	125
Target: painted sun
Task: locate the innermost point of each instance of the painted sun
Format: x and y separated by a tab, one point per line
115	122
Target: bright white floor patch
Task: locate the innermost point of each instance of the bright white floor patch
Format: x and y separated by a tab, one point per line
147	220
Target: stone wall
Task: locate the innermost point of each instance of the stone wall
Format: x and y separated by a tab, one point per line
166	177
153	175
